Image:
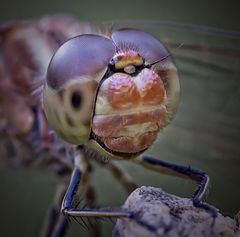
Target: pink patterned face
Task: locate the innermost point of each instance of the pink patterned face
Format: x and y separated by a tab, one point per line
113	92
129	111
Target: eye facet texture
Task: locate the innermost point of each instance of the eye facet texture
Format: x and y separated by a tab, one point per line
148	47
84	55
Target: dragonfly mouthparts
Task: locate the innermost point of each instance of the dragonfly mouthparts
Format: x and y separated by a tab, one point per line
131	132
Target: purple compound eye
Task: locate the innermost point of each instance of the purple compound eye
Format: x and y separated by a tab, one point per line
84	55
148	47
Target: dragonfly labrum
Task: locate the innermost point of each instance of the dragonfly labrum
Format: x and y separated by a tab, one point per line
72	94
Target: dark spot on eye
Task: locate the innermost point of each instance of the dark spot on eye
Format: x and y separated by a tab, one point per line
76	99
69	121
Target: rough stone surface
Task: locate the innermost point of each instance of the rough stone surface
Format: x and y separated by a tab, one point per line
158	214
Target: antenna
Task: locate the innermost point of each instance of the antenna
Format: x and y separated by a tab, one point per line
163	58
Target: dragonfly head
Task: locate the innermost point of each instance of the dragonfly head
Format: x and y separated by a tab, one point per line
102	92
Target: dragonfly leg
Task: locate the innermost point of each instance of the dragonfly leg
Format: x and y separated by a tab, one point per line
185	172
75	184
56	224
68	208
121	176
91	196
54	221
118	172
61	227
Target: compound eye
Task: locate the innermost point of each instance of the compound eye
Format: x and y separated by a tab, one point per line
84	55
148	47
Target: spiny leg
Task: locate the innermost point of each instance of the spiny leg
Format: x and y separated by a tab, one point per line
54	220
56	224
62	223
60	227
95	230
121	176
117	171
185	172
68	208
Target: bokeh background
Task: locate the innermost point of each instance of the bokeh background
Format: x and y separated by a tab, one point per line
204	134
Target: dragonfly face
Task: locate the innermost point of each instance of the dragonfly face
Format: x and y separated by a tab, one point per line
110	93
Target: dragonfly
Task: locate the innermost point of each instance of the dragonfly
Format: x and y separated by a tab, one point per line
71	95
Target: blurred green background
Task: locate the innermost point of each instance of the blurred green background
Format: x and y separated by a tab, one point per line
215	13
204	134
